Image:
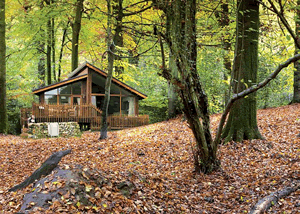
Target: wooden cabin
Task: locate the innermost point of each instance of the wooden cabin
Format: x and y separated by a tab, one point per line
80	98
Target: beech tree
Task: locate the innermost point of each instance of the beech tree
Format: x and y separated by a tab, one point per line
76	26
182	43
296	97
242	123
3	110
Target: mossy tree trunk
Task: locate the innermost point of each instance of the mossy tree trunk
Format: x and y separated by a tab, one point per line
3	109
242	122
182	43
76	26
296	97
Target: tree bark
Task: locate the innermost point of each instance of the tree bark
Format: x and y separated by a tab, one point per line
110	51
182	43
117	7
224	22
296	96
3	108
53	48
46	168
172	95
48	67
242	122
76	26
61	51
41	63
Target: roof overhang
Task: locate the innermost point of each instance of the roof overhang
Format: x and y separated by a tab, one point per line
62	83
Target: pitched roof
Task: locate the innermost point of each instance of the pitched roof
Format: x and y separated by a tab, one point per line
73	77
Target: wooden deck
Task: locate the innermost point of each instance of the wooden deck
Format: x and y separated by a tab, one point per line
83	114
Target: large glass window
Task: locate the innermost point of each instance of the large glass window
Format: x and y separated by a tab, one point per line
63	99
114	106
76	88
65	89
54	92
64	94
51	99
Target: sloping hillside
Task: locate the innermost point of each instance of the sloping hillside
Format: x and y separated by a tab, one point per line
157	160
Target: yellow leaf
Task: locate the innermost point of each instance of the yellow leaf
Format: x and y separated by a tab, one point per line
88	187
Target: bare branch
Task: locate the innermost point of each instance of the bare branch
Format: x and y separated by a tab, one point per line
249	91
137	12
285	23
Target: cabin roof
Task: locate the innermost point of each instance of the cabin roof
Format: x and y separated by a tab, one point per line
73	76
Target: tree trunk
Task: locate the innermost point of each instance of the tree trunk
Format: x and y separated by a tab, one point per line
49	78
242	122
118	36
41	63
76	26
172	95
111	48
182	42
224	22
61	51
53	48
296	97
111	42
3	110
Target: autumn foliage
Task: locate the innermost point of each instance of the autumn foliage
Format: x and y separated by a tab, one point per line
157	159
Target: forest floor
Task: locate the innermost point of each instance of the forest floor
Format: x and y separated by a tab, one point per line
157	159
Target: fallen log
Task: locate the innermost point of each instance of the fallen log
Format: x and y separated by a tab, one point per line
265	203
46	168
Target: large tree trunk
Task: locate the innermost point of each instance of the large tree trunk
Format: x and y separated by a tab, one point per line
242	122
3	110
296	97
76	26
182	42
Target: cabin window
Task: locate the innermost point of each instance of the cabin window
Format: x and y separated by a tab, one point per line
65	89
128	106
76	88
52	92
114	106
51	99
63	99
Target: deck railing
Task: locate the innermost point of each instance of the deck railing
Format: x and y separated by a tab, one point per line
125	121
85	114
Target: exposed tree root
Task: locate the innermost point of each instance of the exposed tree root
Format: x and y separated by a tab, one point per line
268	201
45	169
